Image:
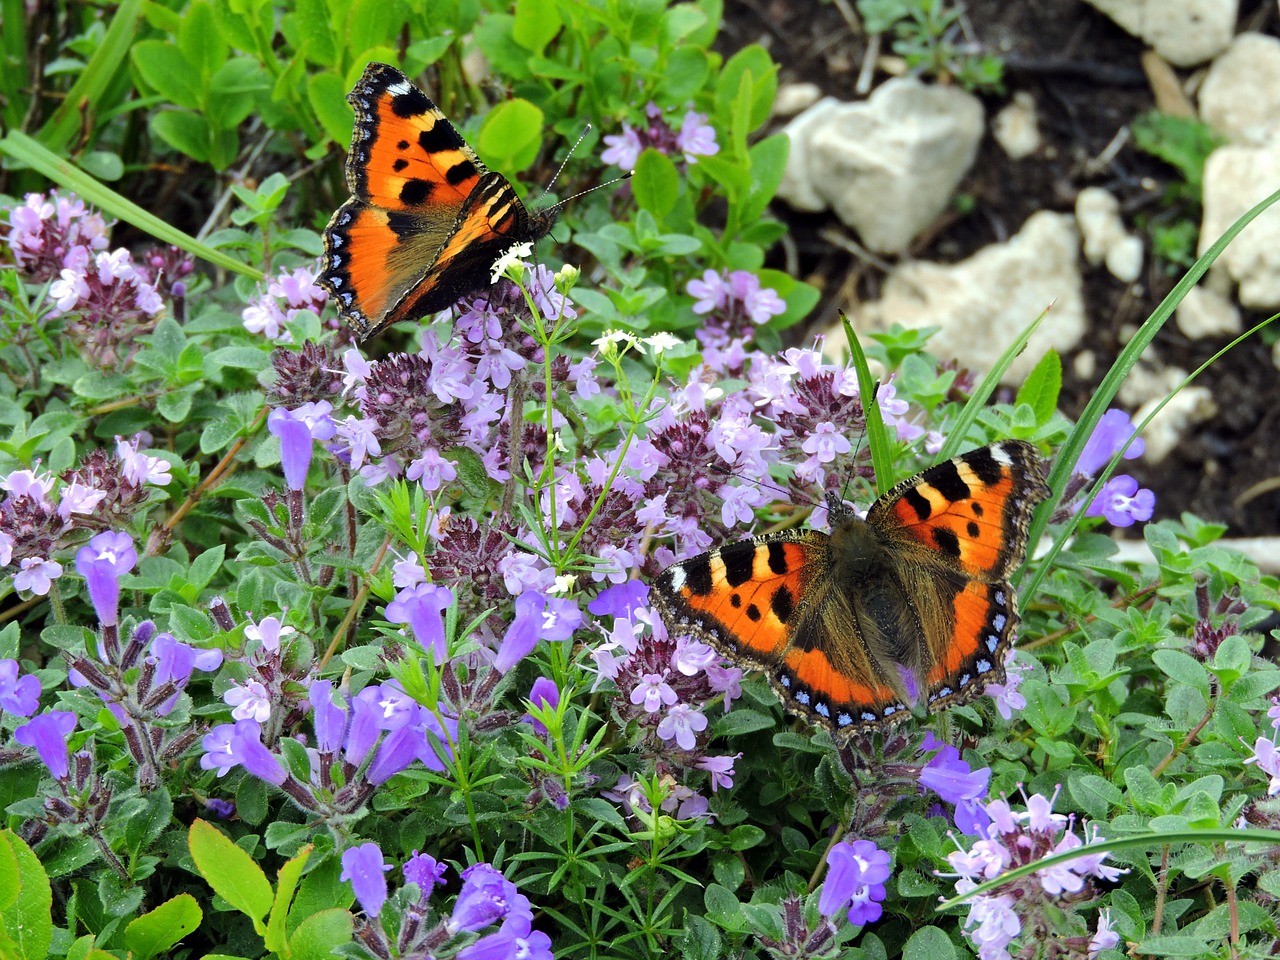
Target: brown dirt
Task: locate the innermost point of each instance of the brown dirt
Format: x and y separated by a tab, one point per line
1088	83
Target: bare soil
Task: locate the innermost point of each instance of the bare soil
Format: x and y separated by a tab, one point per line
1088	83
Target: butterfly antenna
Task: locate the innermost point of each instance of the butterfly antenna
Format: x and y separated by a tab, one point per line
563	163
875	390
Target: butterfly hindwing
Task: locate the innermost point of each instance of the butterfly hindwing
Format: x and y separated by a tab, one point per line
426	220
911	606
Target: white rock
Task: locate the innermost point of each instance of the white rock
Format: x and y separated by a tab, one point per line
1189	407
1146	381
1204	313
1240	95
984	302
1105	239
1236	178
887	165
1016	129
794	97
1184	32
797	186
1124	259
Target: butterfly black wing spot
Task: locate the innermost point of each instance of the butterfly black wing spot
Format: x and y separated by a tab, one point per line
739	563
402	145
461	172
973	529
920	504
984	465
947	541
753	613
777	559
411	103
735	601
782	603
415	191
977	509
440	138
399	165
946	479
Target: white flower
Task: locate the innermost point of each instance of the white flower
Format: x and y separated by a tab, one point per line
510	260
661	342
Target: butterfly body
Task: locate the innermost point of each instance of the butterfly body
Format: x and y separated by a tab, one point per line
910	608
426	220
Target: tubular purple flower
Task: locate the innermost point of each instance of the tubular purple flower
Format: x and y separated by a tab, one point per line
1122	503
544	693
424	870
174	662
327	718
297	428
227	746
856	873
486	897
48	734
364	868
395	753
620	599
102	563
505	945
1112	431
18	695
538	617
422	607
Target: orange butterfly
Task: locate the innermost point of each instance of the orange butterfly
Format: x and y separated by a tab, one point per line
912	605
426	220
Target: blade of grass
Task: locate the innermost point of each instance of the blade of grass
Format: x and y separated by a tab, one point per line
1060	542
96	76
27	150
877	433
1067	456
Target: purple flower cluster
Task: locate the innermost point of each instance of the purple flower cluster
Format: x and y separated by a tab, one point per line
1119	501
696	138
731	305
1013	839
288	294
49	234
486	899
360	742
663	684
40	516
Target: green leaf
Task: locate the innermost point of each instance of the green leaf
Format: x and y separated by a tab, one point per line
186	132
536	24
232	873
155	932
1041	388
200	42
165	69
511	135
28	920
929	943
656	183
1182	667
319	936
286	885
326	93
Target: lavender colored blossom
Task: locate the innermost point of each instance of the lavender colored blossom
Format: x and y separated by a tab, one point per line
231	745
37	575
1267	757
174	663
364	868
287	295
424	870
269	632
297	428
538	617
47	734
19	695
543	694
1104	938
951	778
721	770
422	607
50	233
327	719
856	875
1112	431
249	701
682	724
486	898
697	138
1122	503
505	945
1007	698
140	468
108	557
622	599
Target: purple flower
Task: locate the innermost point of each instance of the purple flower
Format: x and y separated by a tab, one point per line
422	607
505	945
996	925
297	428
424	870
683	724
623	148
249	701
365	869
327	719
538	617
697	138
856	873
139	468
222	809
653	691
721	770
1267	757
487	897
1113	430
1122	503
18	695
709	293
950	778
48	733
396	751
1105	938
37	575
228	746
544	693
102	563
1006	695
269	632
174	662
620	599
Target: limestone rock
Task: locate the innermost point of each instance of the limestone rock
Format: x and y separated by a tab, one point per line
1235	178
984	302
1184	32
888	165
794	97
1204	313
1189	407
1016	128
1240	96
1105	239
